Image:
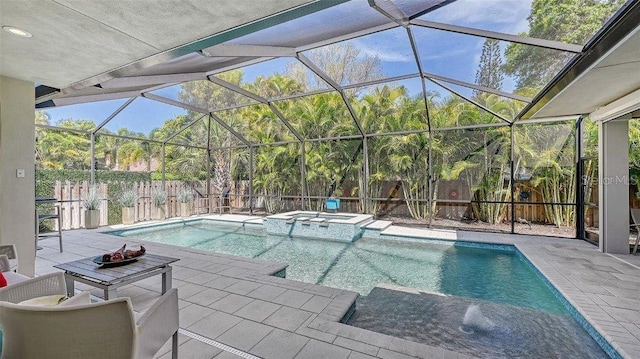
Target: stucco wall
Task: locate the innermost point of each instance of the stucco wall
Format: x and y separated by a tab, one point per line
17	139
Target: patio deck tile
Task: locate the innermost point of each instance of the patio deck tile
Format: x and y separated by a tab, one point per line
189	290
266	292
292	298
257	310
245	335
317	334
356	346
202	278
356	355
287	318
183	273
192	314
221	282
214	325
230	303
279	344
315	349
207	296
227	355
316	304
195	349
388	354
242	287
166	348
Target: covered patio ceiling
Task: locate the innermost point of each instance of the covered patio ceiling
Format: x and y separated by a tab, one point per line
78	44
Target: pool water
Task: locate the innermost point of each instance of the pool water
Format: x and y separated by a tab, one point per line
449	277
494	275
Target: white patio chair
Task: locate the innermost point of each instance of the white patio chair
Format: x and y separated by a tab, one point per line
103	329
29	288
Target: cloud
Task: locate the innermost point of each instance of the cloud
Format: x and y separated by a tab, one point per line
497	15
385	54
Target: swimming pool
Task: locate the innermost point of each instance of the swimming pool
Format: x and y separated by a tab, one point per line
500	280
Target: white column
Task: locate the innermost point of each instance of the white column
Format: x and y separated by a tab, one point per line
17	148
613	185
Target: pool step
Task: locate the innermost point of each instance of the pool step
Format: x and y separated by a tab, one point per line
377	225
321	222
337	226
375	228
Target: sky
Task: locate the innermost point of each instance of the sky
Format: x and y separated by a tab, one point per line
442	53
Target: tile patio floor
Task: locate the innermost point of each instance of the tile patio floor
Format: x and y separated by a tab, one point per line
231	307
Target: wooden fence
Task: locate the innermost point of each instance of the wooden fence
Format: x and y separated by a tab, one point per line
70	195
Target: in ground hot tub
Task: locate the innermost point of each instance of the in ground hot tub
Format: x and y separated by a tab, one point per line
337	226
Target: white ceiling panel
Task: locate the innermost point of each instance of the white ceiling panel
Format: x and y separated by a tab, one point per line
66	46
165	24
76	40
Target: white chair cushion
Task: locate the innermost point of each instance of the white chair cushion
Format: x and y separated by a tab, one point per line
59	300
81	298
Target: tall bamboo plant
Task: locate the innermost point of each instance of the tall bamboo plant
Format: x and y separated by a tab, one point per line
554	170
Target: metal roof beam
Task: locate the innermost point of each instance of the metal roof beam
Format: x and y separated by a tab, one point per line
416	58
152	80
228	128
107	95
173	135
57	128
285	122
380	81
263	144
235	66
348	36
548	44
298	95
114	114
255	97
395	15
66	101
220	109
318	71
174	103
478	87
471	127
469	100
546	120
315	69
236	89
234	50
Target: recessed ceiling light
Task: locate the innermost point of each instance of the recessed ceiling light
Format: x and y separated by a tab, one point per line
16	31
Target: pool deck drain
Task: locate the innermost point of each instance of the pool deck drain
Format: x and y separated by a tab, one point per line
235	302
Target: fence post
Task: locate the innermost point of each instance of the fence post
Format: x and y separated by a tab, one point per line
104	204
84	188
57	193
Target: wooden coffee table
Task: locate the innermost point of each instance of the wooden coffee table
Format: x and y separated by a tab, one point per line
110	278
